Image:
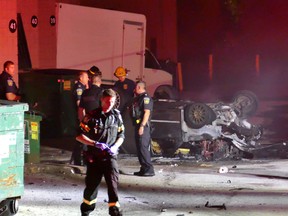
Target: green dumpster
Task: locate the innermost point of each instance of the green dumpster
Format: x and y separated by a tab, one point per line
32	137
11	155
57	107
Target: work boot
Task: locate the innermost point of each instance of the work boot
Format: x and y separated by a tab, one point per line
114	211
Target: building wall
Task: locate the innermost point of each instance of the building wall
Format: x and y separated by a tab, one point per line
42	38
161	34
8	40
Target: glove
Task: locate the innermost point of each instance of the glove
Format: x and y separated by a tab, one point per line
101	146
113	150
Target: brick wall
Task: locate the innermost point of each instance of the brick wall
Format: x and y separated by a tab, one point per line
8	40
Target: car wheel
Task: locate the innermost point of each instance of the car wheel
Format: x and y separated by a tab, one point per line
166	92
246	103
196	115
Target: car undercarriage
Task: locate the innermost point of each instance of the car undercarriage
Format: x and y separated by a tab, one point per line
210	131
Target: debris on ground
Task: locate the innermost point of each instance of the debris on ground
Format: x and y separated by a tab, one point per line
219	207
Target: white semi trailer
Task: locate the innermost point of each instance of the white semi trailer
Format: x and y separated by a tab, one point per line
87	36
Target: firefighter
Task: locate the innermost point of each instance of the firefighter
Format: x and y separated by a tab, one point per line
142	110
125	88
123	83
103	133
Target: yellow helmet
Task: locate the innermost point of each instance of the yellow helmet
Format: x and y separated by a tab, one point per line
120	72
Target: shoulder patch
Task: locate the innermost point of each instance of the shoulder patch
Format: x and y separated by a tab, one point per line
146	100
79	91
10	82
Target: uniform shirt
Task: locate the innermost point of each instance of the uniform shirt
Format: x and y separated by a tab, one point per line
78	90
7	85
90	98
141	103
102	127
126	86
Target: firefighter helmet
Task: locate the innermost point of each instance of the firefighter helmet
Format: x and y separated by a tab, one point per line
120	72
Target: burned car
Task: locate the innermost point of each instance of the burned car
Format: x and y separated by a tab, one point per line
211	131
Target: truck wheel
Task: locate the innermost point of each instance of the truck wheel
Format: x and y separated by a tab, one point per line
122	100
166	92
246	103
128	146
196	115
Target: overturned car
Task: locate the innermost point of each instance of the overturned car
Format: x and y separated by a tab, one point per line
211	131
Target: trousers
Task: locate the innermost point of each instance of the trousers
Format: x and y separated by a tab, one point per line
95	171
143	149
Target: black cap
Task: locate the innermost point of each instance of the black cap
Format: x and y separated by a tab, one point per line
94	71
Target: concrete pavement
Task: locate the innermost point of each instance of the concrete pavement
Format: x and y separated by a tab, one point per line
56	161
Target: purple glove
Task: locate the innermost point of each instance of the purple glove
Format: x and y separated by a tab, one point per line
113	150
101	146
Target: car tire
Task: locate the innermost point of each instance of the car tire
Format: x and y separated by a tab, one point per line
246	103
166	92
196	115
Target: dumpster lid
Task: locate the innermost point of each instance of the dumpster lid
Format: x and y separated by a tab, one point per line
12	106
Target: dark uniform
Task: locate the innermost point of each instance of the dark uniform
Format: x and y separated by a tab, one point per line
76	156
78	90
104	128
90	98
7	85
126	91
142	102
127	86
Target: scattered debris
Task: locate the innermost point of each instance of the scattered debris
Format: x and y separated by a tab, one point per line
219	207
223	169
234	189
66	198
205	165
132	198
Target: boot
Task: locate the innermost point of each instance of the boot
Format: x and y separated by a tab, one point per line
114	211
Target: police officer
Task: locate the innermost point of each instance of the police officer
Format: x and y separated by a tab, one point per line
103	132
8	89
80	85
142	110
90	98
